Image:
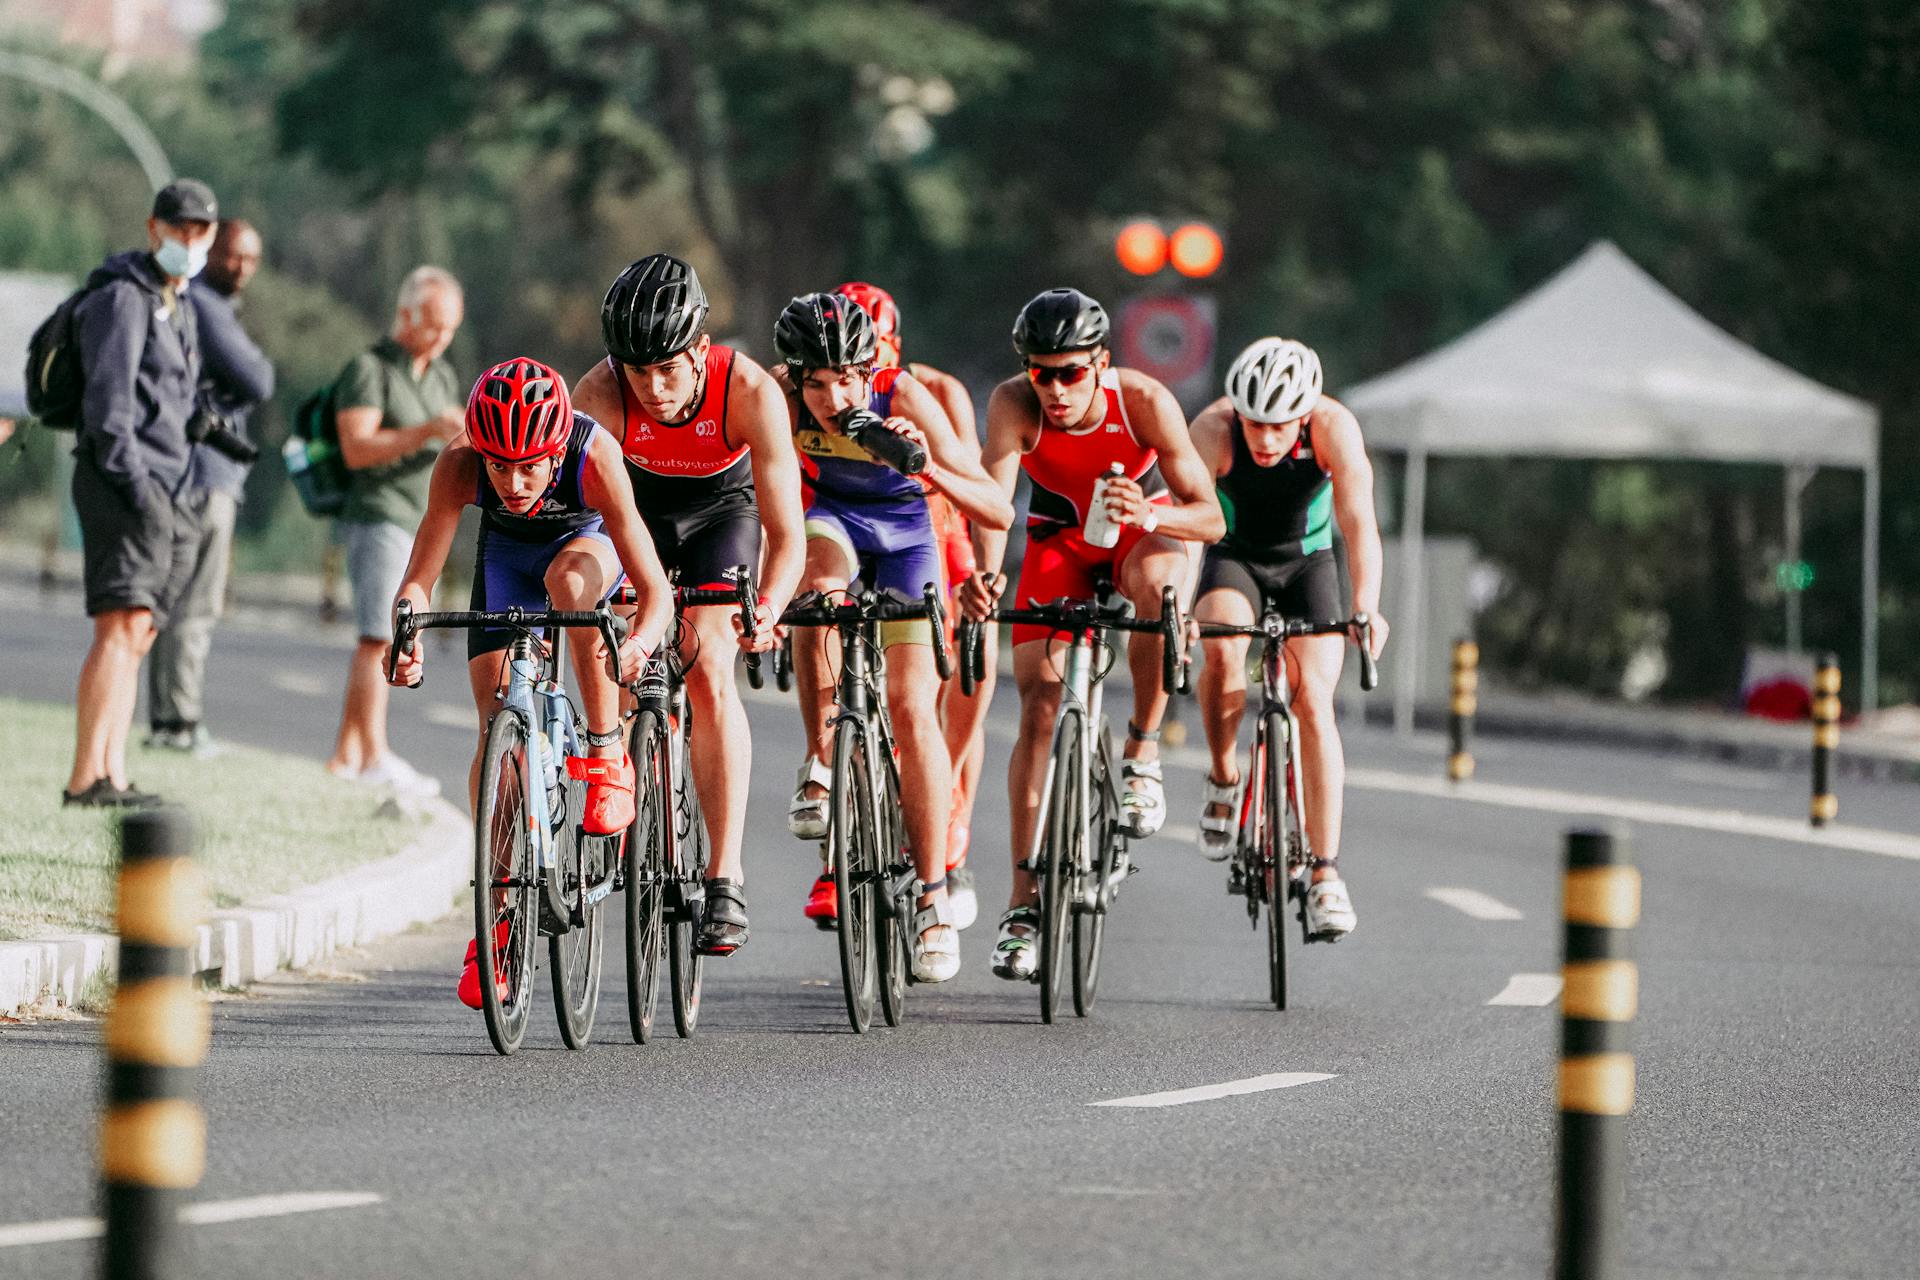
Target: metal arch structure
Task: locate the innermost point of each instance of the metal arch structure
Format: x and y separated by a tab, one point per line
99	99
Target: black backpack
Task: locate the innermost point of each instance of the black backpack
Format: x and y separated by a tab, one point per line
56	384
312	455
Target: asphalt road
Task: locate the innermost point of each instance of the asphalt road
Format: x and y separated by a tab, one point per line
1777	1129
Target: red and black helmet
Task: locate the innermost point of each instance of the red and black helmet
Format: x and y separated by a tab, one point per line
519	412
879	304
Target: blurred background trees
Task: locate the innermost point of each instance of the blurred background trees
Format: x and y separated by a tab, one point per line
1386	173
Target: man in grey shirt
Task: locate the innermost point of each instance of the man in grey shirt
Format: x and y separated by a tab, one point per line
396	406
235	377
139	356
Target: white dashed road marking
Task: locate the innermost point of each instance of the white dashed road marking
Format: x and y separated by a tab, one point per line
1208	1092
303	684
1476	904
1529	990
206	1214
450	715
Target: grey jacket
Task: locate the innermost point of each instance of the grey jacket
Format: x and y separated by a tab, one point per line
140	355
235	377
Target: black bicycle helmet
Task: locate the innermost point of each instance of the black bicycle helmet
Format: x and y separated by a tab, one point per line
654	311
1059	321
825	331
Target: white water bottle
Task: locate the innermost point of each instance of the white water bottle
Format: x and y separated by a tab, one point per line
1102	530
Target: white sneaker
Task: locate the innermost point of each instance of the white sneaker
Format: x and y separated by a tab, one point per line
1143	798
402	778
807	815
1329	910
966	903
936	943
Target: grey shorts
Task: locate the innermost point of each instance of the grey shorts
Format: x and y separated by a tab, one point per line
132	559
377	554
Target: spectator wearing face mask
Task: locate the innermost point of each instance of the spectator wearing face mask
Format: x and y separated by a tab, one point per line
140	360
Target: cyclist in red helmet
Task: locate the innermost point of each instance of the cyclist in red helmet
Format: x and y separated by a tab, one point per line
557	527
962	718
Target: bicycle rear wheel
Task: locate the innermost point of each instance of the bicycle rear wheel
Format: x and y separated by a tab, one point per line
690	857
505	913
646	872
1058	861
893	912
851	849
1275	854
573	956
1090	910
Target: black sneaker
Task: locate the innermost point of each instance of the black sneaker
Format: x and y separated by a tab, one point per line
102	794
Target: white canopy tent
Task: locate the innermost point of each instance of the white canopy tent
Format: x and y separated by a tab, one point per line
1602	361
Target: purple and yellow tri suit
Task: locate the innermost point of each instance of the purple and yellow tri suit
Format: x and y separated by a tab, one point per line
876	515
515	551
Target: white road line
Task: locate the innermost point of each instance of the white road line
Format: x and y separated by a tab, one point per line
1475	903
207	1213
1530	990
1208	1092
1889	844
450	715
1713	775
1115	1191
303	684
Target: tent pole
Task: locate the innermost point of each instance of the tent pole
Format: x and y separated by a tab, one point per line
1413	521
1798	475
1870	591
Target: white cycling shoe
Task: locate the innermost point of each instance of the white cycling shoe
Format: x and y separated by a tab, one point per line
1143	798
1330	914
936	943
1016	950
1216	830
807	815
960	892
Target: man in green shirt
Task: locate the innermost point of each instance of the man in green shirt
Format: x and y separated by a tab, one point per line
396	405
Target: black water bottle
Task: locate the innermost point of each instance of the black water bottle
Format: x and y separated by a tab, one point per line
868	430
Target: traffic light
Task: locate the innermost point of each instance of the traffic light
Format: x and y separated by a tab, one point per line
1196	250
1141	247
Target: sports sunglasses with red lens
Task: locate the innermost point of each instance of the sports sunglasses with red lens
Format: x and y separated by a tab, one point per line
1067	375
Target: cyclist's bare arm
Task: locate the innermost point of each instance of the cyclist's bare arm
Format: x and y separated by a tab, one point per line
1013	419
1337	443
1212	437
953	398
605	488
1194	514
456	476
757	416
953	469
597	394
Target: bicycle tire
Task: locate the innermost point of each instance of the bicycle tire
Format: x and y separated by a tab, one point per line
1274	865
1057	864
574	956
850	850
690	859
501	853
892	916
646	873
1090	916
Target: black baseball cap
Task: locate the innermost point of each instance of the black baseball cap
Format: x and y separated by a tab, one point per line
186	200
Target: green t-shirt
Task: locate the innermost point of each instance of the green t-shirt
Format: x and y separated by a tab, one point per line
382	378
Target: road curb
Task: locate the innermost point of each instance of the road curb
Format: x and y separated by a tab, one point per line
293	930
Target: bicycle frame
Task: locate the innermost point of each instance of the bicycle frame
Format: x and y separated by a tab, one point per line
1081	697
862	702
532	688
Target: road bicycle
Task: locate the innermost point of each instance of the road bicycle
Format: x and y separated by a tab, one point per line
1272	861
664	868
1079	854
536	874
867	850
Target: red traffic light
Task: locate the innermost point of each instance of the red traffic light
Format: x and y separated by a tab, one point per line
1196	250
1141	247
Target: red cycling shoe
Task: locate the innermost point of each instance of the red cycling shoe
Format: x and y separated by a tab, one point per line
469	988
822	906
609	806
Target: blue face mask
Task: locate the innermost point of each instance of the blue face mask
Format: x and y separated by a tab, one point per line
179	259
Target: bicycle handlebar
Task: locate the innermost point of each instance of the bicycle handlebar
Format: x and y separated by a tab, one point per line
1274	627
869	608
407	626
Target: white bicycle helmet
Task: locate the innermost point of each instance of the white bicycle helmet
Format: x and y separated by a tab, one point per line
1274	380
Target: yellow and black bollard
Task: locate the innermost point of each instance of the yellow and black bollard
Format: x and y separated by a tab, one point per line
1600	994
1826	737
153	1137
1466	700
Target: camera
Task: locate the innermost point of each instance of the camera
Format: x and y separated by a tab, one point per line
868	430
208	427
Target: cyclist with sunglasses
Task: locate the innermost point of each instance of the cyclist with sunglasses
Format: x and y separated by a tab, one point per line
557	529
704	431
963	717
1069	423
869	522
1289	463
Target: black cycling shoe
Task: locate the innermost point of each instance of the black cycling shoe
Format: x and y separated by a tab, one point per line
723	925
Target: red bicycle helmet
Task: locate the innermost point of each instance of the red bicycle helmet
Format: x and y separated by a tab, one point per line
519	412
879	304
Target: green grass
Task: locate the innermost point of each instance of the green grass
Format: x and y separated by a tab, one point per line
267	823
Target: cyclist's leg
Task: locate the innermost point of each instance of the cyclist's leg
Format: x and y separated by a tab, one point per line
583	571
1313	668
1227	594
721	749
1142	569
832	563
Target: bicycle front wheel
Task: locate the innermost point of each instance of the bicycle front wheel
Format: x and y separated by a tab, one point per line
646	871
1090	909
893	911
851	849
1059	859
1275	851
574	957
505	914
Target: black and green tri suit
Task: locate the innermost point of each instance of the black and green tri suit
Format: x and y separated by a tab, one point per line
1279	543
